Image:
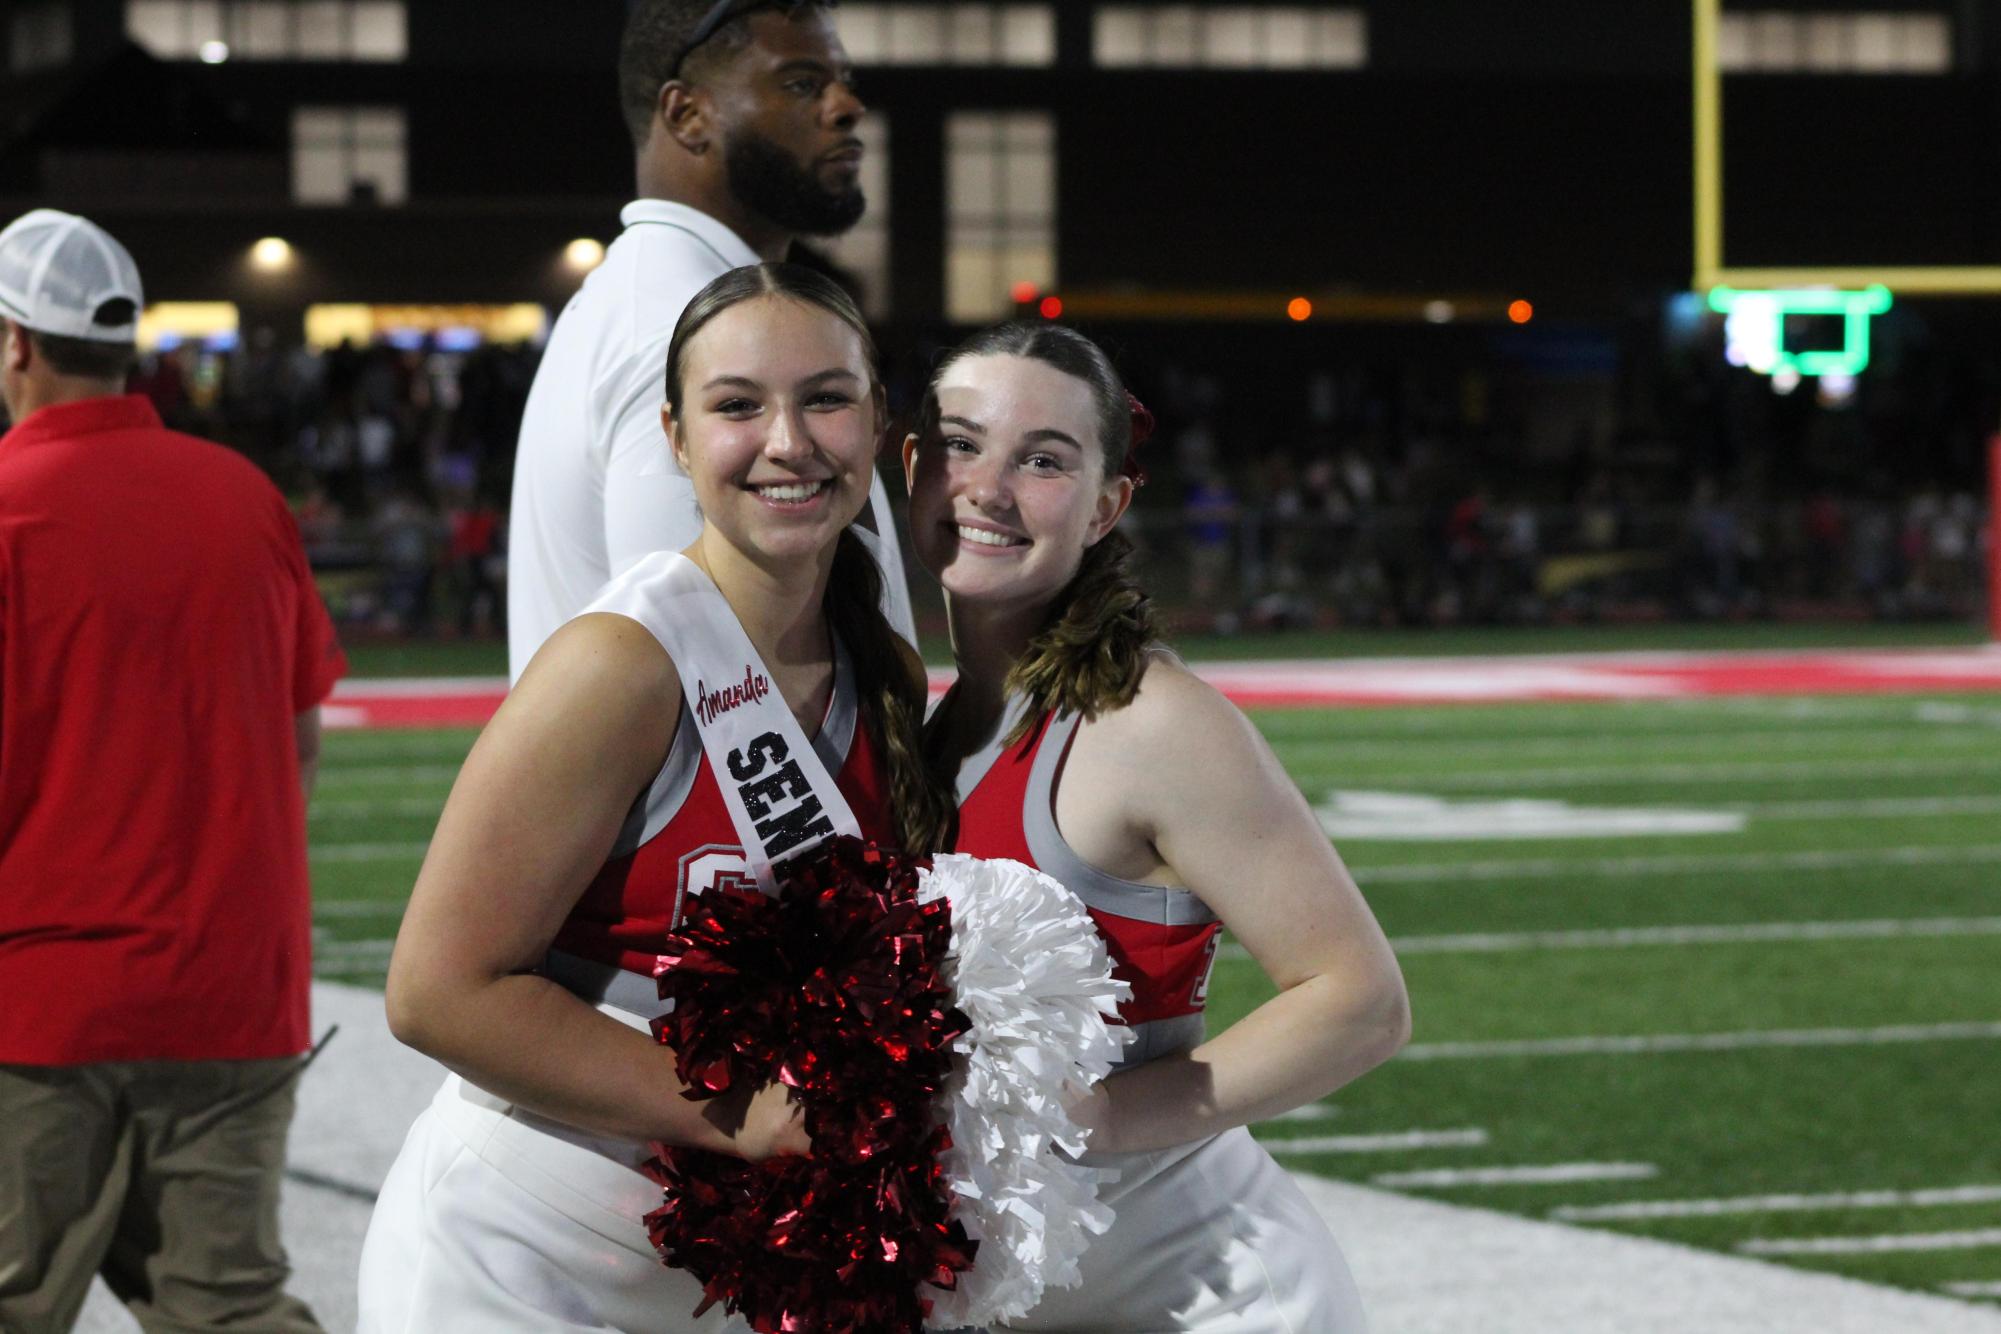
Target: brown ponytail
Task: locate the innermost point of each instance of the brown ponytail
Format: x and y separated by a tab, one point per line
1089	656
892	695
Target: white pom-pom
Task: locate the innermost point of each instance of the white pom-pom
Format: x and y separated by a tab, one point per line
1030	971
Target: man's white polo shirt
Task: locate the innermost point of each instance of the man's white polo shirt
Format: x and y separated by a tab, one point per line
595	487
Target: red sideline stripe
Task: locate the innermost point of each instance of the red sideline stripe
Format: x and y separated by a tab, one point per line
1379	682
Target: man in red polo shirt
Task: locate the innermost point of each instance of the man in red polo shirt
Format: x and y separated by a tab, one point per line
163	655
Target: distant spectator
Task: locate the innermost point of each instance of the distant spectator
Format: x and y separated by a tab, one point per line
478	564
1210	513
406	543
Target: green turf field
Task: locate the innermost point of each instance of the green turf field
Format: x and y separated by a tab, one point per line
1820	990
488	657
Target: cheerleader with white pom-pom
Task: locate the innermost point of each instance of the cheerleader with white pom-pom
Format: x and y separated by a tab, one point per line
1083	749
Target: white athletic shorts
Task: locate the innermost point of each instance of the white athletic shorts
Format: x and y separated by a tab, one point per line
1211	1237
495	1220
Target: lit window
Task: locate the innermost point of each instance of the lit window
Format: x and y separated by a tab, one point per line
40	37
1775	41
949	34
381	31
322	31
1028	35
1236	39
1289	38
1120	37
1826	44
969	36
1341	39
1230	37
1000	184
330	30
260	30
1927	43
344	155
1783	42
1176	36
864	249
916	35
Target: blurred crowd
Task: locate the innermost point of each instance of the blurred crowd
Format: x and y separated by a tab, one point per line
397	455
1389	501
1347	511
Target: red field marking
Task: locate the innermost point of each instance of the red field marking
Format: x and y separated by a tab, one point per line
1378	682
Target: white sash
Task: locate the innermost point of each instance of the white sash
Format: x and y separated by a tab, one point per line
781	799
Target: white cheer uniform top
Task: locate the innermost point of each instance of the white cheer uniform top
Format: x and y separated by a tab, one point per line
595	486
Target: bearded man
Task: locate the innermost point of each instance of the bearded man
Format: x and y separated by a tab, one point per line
743	116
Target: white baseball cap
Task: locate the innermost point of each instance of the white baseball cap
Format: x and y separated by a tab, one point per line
64	275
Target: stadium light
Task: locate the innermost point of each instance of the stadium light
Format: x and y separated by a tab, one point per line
272	254
583	254
1024	293
214	53
1521	312
1052	307
1754	327
1299	310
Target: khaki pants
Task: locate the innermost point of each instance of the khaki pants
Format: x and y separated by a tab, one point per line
160	1175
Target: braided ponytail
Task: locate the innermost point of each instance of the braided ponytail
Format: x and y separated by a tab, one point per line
892	696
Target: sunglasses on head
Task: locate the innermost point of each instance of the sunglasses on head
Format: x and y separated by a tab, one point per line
723	11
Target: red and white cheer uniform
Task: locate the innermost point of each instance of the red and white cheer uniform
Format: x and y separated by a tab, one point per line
496	1218
1212	1235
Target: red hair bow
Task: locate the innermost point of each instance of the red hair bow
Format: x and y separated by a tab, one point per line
1143	425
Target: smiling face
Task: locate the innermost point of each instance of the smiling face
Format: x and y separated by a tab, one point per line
1010	488
778	425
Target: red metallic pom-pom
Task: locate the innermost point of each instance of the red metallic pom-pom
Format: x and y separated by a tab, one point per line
835	987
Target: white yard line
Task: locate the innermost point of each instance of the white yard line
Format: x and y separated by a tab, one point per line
1390	1143
1543	868
1500	942
1636	937
367	852
1972	1239
1983	1288
334	954
1765	741
358	907
1956	715
357	748
1652	1043
1883	807
1640	773
384	775
1776	1204
363	810
1313	1111
416	687
1543	1174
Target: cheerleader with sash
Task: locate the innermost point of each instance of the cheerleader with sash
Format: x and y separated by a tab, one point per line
712	714
1082	748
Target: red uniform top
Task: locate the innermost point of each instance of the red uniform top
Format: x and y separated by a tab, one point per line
1162	940
679	839
159	632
